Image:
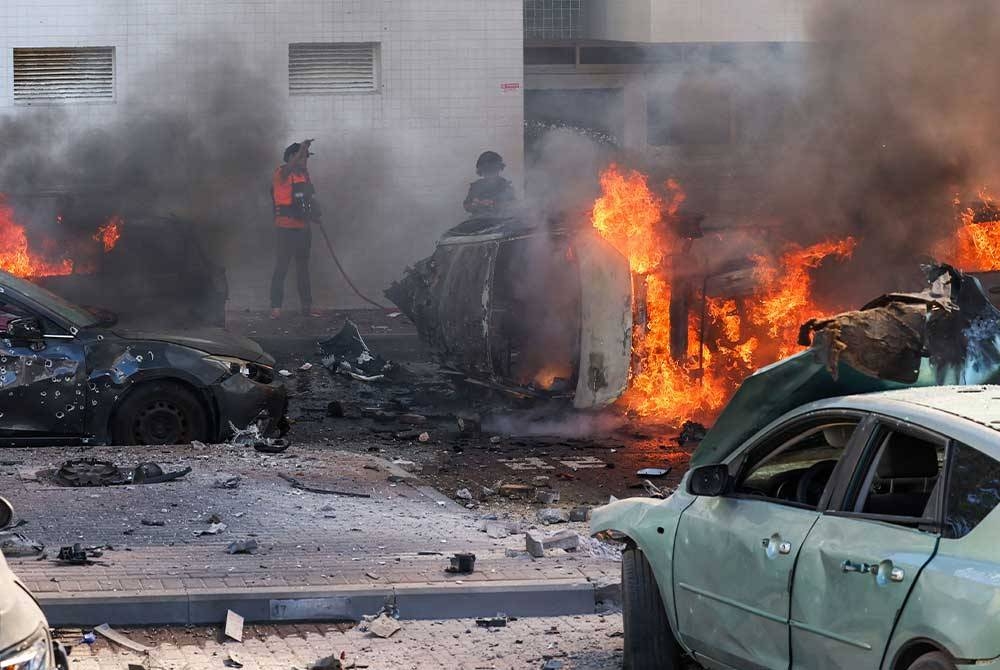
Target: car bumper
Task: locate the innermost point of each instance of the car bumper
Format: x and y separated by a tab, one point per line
242	402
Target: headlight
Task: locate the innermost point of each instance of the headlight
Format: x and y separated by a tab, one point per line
255	371
32	654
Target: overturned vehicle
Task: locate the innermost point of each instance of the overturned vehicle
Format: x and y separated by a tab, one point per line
538	312
842	511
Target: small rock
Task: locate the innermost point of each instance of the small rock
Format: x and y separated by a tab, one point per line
413	419
424	437
496	439
550	515
464	494
580	513
153	522
226	481
305	366
497	529
284	373
408	466
546	496
516	490
243	547
383	626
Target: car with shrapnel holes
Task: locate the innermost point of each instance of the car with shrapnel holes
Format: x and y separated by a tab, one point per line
858	531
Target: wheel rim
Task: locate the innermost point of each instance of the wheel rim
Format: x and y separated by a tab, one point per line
162	422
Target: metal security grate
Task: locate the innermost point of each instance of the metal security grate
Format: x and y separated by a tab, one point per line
58	74
322	69
553	19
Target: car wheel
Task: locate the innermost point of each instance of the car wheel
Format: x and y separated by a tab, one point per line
649	642
160	412
932	661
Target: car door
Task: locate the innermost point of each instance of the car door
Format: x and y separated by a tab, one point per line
42	381
734	554
858	564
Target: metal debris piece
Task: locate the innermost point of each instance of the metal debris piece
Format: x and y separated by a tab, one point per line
227	481
692	432
243	547
312	489
152	473
16	545
234	626
653	472
271	446
652	490
347	353
79	555
110	633
232	660
153	522
89	472
214	529
462	563
498	621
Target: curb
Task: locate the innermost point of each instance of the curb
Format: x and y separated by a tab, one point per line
557	597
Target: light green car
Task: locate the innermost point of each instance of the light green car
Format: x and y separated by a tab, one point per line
856	532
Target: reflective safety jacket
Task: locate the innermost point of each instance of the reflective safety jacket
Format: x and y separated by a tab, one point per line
283	189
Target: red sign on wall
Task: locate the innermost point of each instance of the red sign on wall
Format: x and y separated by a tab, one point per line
510	86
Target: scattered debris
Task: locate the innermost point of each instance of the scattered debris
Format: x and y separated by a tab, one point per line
546	496
110	633
214	529
252	436
498	621
234	626
516	490
153	522
469	424
305	366
16	545
249	546
537	542
412	419
653	472
347	353
462	563
384	626
227	481
552	664
271	446
463	494
152	473
232	660
79	555
580	513
312	489
652	490
497	530
550	515
92	472
424	437
284	373
692	432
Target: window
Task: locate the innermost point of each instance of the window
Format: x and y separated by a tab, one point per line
797	465
64	74
902	477
973	492
328	68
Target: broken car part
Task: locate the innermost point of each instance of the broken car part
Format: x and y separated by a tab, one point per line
347	353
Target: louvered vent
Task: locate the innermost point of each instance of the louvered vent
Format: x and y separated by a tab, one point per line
57	74
322	69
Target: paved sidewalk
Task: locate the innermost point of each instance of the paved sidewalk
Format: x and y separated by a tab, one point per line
320	557
579	642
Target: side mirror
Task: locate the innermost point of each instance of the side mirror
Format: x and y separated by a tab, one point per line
709	480
6	513
26	328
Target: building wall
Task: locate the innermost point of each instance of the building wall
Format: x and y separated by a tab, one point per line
406	152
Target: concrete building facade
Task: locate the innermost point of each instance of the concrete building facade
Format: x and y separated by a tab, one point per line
416	89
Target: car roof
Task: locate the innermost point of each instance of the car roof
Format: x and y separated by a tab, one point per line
970	414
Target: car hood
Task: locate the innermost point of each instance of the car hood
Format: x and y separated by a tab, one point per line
19	615
215	341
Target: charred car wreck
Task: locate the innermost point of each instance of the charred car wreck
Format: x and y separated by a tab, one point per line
69	375
537	312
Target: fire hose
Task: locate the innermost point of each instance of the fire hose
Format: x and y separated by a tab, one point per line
347	278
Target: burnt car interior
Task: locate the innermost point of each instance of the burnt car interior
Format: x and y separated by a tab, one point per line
535	314
798	470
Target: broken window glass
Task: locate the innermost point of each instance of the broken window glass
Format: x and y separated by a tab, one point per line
973	492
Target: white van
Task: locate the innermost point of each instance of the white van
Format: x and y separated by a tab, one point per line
25	640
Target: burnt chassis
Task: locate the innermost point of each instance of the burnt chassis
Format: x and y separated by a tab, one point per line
497	298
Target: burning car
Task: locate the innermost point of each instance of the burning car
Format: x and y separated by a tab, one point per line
25	640
69	375
828	519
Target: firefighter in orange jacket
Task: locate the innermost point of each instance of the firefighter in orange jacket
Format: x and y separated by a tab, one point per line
294	211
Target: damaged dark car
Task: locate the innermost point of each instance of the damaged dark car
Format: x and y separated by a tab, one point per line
69	375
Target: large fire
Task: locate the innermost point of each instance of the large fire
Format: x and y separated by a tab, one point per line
976	244
736	334
19	259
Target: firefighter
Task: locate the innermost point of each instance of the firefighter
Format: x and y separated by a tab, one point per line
491	194
294	211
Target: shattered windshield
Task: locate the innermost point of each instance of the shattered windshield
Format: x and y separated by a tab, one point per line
75	314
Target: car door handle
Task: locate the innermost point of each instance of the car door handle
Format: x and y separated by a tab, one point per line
884	571
774	546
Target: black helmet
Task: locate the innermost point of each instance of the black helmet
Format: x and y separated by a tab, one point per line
291	150
489	160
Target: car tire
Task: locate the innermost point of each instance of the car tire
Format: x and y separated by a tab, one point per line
933	661
649	641
159	412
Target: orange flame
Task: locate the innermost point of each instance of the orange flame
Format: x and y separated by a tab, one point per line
109	233
976	245
15	255
738	334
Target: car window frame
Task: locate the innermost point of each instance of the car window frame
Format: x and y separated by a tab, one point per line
739	459
44	318
864	460
953	448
